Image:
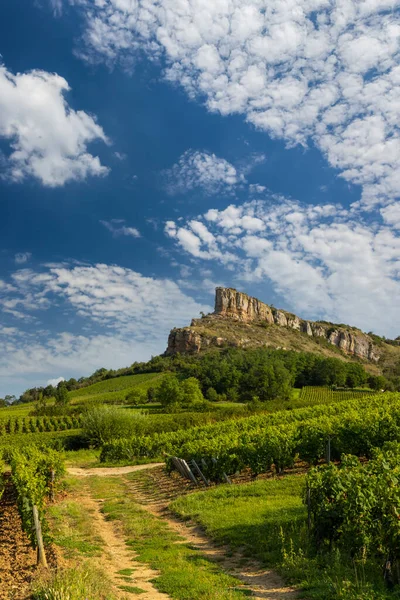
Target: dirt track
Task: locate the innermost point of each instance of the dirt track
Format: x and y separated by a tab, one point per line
264	584
107	471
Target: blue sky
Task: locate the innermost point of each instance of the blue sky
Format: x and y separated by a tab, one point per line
149	152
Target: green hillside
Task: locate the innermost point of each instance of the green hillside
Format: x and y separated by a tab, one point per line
117	384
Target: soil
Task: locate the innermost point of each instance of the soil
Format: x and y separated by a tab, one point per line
17	558
106	471
265	584
117	556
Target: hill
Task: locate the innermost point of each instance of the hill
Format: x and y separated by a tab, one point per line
242	321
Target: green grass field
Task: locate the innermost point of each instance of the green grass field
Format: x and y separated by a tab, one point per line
268	521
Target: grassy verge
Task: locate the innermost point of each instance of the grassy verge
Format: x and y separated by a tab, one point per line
184	573
71	528
83	582
267	520
80	577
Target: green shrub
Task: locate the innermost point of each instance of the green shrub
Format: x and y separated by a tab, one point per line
105	423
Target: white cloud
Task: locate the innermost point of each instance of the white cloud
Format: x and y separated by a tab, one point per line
22	257
202	170
55	382
118	227
48	139
325	262
56	5
311	70
120	315
109	296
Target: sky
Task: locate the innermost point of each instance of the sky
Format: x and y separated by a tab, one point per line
151	151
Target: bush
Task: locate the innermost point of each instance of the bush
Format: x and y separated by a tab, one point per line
136	397
103	424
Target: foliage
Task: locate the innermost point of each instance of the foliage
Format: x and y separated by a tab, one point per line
356	507
258	442
35	473
105	423
61	394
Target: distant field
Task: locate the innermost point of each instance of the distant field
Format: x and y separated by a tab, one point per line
20	410
142	381
314	394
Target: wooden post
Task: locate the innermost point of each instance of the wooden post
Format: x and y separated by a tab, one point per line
189	472
53	478
199	472
39	538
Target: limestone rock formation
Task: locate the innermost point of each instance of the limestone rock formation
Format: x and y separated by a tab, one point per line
232	305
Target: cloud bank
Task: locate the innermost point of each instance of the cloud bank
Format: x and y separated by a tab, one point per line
323	71
325	261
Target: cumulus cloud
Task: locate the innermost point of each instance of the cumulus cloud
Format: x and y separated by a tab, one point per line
118	228
22	257
120	315
311	70
48	139
325	261
110	296
203	170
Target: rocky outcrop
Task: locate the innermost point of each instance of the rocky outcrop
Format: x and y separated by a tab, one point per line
187	340
237	306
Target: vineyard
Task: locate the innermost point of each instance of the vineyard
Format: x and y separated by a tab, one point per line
39	424
318	395
259	442
118	384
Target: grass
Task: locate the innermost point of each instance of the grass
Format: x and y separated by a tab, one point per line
184	573
267	521
249	516
131	589
19	410
83	458
72	531
82	582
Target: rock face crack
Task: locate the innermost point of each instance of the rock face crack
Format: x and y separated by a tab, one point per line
235	306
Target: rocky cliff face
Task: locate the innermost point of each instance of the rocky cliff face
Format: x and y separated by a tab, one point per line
236	306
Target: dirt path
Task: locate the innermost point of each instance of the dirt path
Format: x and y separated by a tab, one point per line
106	471
17	558
265	584
117	556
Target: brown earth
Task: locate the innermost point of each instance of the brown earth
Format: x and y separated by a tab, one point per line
17	558
264	584
117	556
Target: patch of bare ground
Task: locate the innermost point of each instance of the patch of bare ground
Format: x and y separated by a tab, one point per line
17	558
265	584
106	471
117	557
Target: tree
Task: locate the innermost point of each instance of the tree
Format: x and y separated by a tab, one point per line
191	391
170	392
61	394
377	382
211	395
136	397
356	375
